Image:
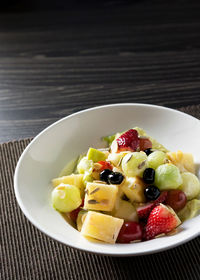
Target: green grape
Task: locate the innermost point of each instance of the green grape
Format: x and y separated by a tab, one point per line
85	165
190	185
134	164
190	210
66	198
167	176
156	158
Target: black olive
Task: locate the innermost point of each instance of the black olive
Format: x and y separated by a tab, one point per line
151	192
115	178
149	175
104	175
148	151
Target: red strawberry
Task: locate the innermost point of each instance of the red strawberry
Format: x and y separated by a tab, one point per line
162	219
145	143
128	141
144	210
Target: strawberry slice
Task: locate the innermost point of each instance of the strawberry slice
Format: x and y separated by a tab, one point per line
144	210
128	141
162	219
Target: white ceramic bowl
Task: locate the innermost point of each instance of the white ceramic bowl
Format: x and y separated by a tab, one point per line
63	141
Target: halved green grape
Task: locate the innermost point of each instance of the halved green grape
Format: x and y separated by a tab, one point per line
190	185
66	198
85	165
134	164
190	210
157	158
167	177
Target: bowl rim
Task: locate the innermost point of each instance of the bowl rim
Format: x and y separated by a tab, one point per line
85	249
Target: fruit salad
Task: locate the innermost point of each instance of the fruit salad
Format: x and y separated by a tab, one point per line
133	190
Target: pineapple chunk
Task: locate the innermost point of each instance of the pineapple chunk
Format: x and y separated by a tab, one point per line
73	179
100	196
102	227
126	211
184	161
133	187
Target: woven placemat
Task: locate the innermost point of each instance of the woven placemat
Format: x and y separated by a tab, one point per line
26	253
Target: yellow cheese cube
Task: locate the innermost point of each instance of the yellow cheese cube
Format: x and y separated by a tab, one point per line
102	227
100	196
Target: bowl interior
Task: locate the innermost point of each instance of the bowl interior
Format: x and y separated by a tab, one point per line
63	141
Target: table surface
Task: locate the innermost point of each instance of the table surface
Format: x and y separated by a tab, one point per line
54	63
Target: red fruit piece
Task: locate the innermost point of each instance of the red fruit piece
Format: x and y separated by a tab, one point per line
176	199
130	231
144	210
145	143
74	214
128	141
162	219
105	165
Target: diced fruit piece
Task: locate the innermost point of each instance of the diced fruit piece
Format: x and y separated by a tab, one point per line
125	211
109	139
133	187
184	161
73	179
149	175
80	219
102	227
151	192
95	155
144	210
69	168
191	209
104	175
105	165
85	165
116	158
157	158
128	141
162	219
96	171
145	143
100	196
167	177
115	178
155	144
176	199
190	185
87	178
66	198
130	231
134	164
74	214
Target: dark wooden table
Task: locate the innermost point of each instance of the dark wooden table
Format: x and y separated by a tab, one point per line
54	63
